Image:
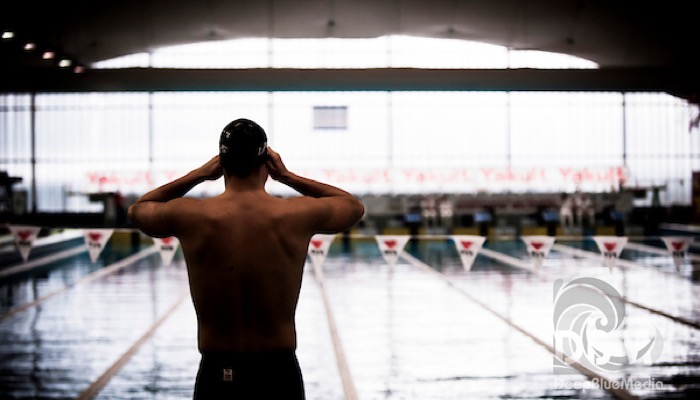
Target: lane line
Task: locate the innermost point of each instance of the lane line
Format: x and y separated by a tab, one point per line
53	238
345	376
97	385
510	260
518	263
656	250
620	262
40	262
675	318
610	386
112	268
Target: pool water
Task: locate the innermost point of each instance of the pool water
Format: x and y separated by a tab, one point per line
405	333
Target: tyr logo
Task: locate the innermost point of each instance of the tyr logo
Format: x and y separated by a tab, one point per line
390	244
609	250
24	238
465	248
678	249
94	240
535	252
165	244
316	244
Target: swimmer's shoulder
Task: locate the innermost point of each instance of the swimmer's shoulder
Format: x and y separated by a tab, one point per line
186	202
191	207
295	203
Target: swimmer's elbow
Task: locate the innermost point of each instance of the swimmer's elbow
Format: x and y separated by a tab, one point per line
151	218
334	215
139	214
354	213
358	210
132	214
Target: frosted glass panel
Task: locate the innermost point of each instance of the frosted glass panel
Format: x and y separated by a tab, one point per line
566	129
389	142
436	129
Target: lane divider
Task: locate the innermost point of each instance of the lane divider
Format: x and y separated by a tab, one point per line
510	260
656	250
40	262
522	264
518	263
345	376
675	318
110	269
619	263
605	383
97	385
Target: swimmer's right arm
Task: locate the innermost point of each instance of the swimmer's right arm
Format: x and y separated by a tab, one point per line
336	210
155	214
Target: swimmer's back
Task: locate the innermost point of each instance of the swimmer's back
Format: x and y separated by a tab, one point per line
245	255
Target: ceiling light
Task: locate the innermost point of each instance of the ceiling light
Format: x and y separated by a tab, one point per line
29	46
8	35
79	69
65	63
48	55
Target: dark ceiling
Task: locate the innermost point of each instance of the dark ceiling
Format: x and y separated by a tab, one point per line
621	36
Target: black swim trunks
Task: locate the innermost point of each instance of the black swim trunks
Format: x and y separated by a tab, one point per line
268	375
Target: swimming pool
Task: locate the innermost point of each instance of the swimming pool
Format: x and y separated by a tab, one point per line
421	329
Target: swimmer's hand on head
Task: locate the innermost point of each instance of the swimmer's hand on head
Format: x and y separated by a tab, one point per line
211	170
338	209
308	187
275	167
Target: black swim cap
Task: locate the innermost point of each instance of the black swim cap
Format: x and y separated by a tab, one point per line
242	146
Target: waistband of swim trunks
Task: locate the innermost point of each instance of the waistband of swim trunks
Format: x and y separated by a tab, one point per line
259	356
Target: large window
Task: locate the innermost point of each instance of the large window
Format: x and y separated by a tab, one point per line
367	142
395	142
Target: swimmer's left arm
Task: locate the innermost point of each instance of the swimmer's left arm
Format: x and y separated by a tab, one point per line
154	212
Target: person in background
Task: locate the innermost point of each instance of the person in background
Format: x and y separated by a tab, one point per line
585	212
566	211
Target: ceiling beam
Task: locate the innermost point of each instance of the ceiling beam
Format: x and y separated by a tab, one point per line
676	81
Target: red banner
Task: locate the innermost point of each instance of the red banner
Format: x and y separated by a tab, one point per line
405	180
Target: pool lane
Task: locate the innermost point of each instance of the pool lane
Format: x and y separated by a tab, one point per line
166	366
81	280
528	300
54	350
50	245
409	336
655	285
43	279
59	348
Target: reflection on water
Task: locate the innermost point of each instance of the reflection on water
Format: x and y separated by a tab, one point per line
406	334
